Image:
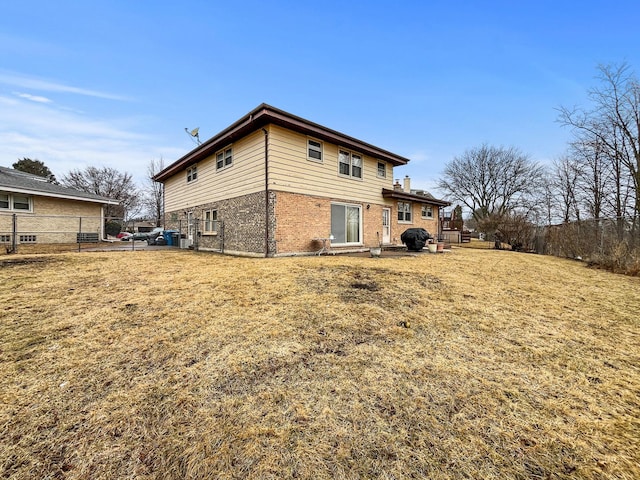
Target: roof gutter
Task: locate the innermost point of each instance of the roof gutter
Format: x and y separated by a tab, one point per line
264	115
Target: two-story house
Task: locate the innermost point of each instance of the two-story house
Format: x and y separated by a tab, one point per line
276	184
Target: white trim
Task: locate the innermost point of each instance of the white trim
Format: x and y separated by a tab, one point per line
39	193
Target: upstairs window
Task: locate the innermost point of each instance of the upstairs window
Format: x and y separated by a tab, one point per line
314	150
224	158
4	201
404	212
382	169
427	211
192	174
350	164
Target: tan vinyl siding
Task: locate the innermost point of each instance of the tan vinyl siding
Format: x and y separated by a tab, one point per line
291	171
244	176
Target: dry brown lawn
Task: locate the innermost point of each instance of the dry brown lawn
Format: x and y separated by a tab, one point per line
182	365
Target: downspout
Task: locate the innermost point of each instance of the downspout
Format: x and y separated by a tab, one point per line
103	233
266	193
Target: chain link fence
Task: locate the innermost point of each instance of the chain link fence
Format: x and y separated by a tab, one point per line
21	230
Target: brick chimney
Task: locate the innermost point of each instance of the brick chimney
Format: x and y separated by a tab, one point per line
396	186
407	184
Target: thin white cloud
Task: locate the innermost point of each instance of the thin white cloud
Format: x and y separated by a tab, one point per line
65	140
33	98
38	84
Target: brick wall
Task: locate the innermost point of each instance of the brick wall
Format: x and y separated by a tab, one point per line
241	220
54	220
301	218
294	221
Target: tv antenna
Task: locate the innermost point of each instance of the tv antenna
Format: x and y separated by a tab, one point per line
195	136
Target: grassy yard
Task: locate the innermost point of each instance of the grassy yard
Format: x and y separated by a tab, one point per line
183	365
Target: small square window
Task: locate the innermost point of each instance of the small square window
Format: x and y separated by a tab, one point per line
224	158
427	211
314	150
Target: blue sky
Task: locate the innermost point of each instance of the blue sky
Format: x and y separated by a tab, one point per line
115	83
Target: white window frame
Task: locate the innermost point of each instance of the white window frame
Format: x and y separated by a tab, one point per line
192	174
360	225
311	147
210	221
403	211
384	169
427	211
11	199
350	163
224	158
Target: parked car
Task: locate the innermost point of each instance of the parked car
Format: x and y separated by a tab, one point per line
140	236
124	236
153	235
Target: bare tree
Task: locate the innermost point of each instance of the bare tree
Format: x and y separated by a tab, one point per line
492	181
594	174
154	192
110	183
614	123
566	175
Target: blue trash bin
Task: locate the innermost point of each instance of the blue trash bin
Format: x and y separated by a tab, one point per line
170	238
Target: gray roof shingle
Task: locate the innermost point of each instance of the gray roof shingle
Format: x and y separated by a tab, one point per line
16	181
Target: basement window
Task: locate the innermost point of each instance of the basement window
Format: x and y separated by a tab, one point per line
27	239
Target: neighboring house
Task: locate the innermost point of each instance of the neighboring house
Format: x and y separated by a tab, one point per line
274	184
33	210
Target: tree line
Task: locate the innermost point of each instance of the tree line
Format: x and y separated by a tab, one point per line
597	178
